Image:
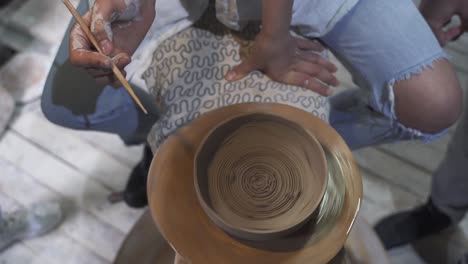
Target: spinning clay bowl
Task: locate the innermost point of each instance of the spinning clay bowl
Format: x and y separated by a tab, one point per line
260	176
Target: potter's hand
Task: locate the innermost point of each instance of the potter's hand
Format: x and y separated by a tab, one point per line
288	60
119	26
181	260
439	13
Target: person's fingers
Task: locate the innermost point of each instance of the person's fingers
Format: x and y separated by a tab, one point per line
307	44
316	71
98	72
82	53
110	79
105	80
439	34
316	59
116	83
444	31
90	59
304	80
101	19
453	33
241	70
121	60
78	38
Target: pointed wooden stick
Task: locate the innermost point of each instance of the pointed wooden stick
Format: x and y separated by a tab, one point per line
116	70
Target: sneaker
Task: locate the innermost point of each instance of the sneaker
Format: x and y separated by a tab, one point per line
27	223
405	227
134	194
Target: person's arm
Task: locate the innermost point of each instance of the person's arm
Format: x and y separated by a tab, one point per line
284	58
276	17
119	26
439	13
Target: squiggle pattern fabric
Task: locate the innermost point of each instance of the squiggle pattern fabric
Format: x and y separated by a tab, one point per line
186	77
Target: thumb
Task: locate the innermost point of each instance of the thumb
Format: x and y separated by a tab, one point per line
101	25
241	70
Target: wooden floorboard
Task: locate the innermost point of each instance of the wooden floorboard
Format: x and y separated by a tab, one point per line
113	145
54	247
384	197
18	254
416	154
395	171
40	161
58	176
72	150
93	234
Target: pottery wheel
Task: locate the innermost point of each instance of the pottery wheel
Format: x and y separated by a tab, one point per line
145	245
190	231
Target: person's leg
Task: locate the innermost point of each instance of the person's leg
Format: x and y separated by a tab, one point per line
411	90
29	222
447	204
72	99
450	181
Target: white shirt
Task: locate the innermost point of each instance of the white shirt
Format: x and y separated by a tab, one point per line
312	18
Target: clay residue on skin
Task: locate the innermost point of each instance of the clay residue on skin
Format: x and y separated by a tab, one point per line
123	24
114	16
77	39
131	11
116	59
76	44
98	18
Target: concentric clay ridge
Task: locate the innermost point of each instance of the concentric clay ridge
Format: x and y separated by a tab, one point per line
260	176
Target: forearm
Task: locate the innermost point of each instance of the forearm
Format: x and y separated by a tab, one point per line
276	16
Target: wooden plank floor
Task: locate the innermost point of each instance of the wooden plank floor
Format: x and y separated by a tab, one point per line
41	161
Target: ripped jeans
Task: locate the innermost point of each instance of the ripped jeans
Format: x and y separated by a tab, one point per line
380	42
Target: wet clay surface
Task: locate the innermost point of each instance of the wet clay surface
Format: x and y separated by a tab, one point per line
266	177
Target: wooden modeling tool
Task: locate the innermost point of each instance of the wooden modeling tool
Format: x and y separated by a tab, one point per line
116	70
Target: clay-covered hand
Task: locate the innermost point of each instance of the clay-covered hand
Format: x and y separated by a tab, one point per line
181	260
289	60
119	26
439	13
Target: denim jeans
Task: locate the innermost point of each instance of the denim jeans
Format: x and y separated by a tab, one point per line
380	42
